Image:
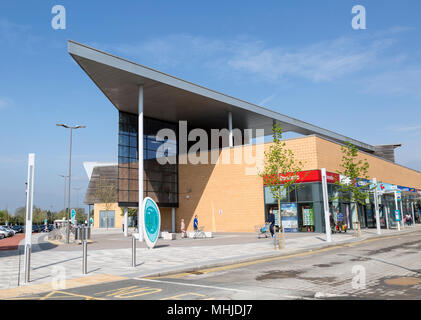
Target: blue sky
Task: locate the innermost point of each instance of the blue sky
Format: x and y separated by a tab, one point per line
300	58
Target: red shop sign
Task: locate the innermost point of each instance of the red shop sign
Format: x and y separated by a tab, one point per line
306	176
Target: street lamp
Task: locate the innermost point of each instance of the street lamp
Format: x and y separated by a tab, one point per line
65	177
69	176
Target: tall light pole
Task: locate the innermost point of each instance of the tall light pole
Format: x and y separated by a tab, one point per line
65	177
70	175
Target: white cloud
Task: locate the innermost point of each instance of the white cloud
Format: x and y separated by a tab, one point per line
5	102
318	62
405	82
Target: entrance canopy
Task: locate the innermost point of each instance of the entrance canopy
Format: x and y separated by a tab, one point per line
172	99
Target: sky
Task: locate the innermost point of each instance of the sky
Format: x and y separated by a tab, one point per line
300	58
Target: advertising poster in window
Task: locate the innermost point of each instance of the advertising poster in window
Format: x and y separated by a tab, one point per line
289	217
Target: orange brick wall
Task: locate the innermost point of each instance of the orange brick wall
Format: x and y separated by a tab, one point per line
229	197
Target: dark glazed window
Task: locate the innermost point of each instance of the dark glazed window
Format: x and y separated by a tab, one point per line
160	181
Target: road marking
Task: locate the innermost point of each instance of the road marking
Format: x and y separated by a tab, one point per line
177	297
249	263
130	292
191	285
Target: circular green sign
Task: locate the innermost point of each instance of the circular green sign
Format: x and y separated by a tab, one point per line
151	221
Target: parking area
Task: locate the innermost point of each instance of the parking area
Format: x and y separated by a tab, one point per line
11	243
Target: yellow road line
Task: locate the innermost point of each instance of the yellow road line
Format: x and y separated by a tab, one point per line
253	262
48	286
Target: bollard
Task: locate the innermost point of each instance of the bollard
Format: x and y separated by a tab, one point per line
85	257
133	252
28	263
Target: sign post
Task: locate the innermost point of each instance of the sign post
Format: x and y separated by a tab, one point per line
151	222
73	216
326	206
28	217
376	205
397	214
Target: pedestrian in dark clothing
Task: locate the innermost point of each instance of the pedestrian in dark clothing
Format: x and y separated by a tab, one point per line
195	223
271	220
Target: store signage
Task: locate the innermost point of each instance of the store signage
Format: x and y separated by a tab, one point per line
397	215
151	218
73	215
302	177
398	195
406	189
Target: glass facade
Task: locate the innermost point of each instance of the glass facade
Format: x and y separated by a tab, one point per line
301	207
160	181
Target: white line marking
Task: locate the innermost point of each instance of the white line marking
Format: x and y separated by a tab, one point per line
191	285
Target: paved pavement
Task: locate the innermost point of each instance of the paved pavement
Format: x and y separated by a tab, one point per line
50	261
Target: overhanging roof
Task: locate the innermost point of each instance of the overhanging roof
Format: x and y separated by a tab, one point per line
172	99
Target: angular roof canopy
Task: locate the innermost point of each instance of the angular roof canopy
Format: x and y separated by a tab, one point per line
172	99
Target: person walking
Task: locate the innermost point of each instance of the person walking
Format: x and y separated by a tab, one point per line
183	228
339	220
271	220
332	222
195	223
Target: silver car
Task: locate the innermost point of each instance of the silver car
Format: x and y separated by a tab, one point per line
8	232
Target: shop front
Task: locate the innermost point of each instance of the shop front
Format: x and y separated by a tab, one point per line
302	204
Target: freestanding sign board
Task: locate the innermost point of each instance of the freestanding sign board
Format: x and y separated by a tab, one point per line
28	218
151	221
73	216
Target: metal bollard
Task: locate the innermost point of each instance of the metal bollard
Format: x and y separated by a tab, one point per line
133	252
28	263
85	257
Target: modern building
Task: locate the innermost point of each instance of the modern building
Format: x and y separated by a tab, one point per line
225	193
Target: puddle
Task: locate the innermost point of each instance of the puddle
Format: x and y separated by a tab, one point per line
293	274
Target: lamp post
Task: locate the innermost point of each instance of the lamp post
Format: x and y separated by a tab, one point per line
70	176
65	177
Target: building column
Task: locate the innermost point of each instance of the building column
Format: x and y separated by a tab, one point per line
231	138
326	206
126	222
413	214
173	220
140	156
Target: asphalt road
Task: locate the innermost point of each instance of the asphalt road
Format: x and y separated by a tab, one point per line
382	268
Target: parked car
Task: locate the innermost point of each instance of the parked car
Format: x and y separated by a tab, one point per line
2	234
7	232
9	229
35	228
18	229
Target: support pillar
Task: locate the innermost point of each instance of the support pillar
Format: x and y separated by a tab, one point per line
173	220
126	222
376	206
140	156
231	137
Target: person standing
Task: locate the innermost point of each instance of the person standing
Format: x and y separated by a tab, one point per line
339	220
271	220
183	228
195	223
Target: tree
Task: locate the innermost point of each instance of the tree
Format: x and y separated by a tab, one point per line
353	170
106	193
280	172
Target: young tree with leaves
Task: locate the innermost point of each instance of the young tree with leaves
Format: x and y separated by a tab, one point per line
280	173
353	170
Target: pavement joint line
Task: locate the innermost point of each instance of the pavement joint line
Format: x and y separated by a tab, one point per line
30	289
233	263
